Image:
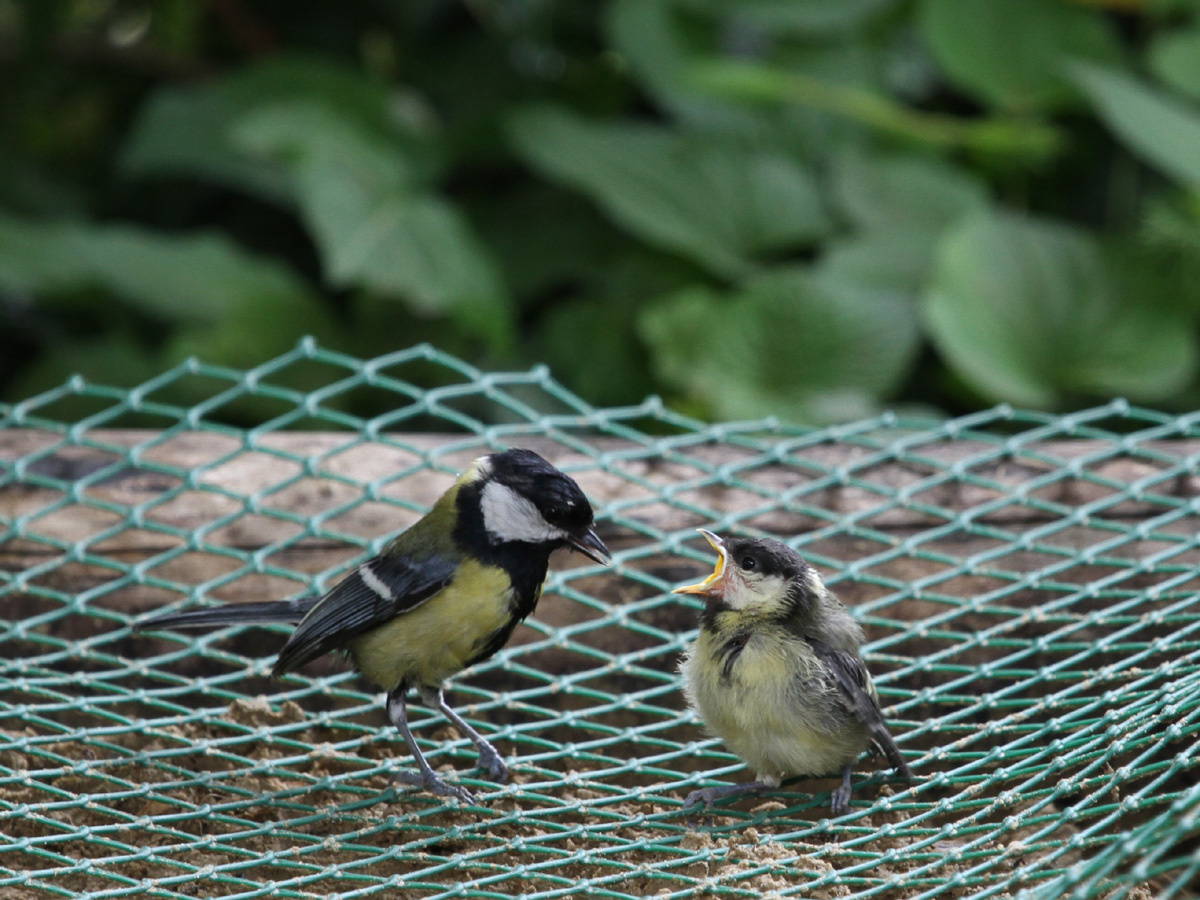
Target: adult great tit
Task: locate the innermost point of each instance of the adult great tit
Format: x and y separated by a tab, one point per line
443	595
776	672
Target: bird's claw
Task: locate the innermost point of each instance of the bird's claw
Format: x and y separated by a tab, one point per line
840	800
491	760
702	797
435	785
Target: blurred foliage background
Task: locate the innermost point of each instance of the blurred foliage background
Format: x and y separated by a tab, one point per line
801	208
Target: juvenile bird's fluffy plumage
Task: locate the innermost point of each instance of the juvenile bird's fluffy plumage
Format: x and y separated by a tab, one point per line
776	673
443	595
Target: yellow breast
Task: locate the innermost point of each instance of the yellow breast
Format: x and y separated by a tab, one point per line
427	645
773	707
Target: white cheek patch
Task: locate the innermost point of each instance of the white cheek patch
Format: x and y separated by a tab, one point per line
507	516
744	590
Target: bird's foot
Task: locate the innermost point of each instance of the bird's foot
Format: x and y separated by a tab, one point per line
840	800
490	759
433	783
703	798
710	795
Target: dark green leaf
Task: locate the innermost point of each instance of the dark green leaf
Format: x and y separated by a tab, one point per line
548	241
186	130
591	348
1028	311
1161	129
255	329
718	203
652	39
1010	53
791	344
373	220
902	205
1175	58
420	248
892	259
309	135
801	17
664	47
177	278
904	192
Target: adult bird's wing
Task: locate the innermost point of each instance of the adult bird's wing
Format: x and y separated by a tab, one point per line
854	684
378	590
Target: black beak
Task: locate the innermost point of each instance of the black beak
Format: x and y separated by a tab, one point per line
590	545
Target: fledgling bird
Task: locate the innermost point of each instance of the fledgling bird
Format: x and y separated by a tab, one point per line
776	672
443	595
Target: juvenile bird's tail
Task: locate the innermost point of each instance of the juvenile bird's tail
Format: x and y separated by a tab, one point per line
233	614
883	740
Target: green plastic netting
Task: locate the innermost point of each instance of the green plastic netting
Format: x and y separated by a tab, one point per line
1028	583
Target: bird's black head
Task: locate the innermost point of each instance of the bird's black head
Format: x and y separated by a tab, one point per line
759	574
767	556
524	499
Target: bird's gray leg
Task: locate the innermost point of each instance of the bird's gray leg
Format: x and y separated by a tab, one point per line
425	776
489	757
840	802
709	796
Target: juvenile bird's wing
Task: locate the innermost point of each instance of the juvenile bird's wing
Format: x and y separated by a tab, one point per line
378	590
854	683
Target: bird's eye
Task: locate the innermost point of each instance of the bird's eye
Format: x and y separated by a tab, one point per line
749	563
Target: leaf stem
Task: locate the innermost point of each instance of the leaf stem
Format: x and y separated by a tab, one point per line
998	135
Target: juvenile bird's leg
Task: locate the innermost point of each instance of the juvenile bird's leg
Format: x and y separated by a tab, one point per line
489	758
841	797
425	777
709	796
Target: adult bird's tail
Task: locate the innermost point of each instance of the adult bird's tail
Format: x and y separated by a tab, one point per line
233	614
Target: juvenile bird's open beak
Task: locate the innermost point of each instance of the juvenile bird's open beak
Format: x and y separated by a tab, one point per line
714	584
590	545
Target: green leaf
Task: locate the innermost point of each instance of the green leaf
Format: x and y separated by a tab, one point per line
663	44
1171	233
901	205
255	329
652	39
791	344
183	131
1161	129
800	17
303	133
718	203
374	222
186	130
1175	58
177	278
1010	53
421	248
563	242
1027	311
904	192
613	369
892	259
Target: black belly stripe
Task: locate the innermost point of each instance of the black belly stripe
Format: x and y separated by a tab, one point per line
520	607
524	564
729	652
493	642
